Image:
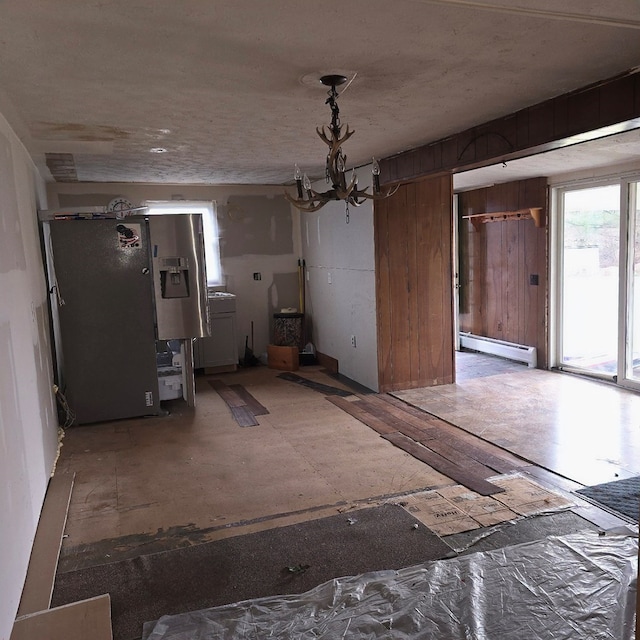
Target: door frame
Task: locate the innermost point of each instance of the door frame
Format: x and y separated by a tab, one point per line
625	272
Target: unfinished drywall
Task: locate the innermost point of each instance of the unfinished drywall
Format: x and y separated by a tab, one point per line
28	419
259	243
257	225
341	295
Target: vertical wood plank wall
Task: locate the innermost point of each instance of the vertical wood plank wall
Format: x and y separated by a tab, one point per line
497	299
413	243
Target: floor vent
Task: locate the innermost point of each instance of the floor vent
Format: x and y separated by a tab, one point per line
510	350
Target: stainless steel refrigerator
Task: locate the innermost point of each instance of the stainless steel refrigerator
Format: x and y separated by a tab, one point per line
126	291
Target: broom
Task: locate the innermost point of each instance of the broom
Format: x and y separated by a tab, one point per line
249	358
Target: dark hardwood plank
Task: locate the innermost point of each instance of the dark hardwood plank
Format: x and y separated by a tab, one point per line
256	408
497	462
427	419
416	433
240	410
243	416
227	394
389	412
437	438
455	472
356	410
459	457
487	453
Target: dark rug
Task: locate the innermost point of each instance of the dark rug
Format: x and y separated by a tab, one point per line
622	496
285	560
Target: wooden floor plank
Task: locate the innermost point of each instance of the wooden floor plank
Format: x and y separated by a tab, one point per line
468	444
256	408
357	411
494	460
395	422
41	573
244	417
76	621
458	457
387	418
227	394
426	418
455	472
419	422
458	435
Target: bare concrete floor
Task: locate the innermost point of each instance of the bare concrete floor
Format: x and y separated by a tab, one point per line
195	475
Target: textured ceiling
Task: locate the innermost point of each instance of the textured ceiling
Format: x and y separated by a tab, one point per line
230	88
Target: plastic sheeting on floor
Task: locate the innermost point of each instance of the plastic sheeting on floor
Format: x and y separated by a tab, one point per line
576	586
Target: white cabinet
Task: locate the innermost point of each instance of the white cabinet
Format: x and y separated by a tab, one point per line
220	351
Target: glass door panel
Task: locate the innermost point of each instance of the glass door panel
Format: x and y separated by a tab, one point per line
632	356
590	279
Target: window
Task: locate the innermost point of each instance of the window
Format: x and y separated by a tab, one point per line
596	237
209	227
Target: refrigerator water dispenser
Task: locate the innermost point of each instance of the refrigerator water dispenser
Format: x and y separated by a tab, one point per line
174	277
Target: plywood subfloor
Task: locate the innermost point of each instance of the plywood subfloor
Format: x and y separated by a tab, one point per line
158	483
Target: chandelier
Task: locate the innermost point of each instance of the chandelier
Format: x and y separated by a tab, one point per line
335	171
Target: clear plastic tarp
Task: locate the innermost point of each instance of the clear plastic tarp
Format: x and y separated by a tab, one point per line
576	586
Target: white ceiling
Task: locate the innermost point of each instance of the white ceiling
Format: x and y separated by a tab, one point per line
230	87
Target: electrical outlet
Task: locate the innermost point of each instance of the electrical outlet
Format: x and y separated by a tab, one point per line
353	341
257	276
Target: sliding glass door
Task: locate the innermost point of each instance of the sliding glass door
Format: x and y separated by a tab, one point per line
631	291
598	285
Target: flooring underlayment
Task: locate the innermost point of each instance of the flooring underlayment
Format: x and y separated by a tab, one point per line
559	588
275	561
455	509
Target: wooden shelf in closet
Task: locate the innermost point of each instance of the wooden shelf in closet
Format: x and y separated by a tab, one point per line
532	213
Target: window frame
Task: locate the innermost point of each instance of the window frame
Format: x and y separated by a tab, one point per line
210	230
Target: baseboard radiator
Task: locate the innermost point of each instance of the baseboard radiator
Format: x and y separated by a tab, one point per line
510	350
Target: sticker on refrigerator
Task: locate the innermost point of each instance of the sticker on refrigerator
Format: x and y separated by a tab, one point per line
128	236
148	396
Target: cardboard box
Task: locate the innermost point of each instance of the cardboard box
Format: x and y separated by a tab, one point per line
282	358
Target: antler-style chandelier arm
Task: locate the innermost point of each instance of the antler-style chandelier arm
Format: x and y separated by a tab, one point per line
336	160
307	205
335	169
380	195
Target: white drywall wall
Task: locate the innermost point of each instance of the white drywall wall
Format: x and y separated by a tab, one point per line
28	420
341	296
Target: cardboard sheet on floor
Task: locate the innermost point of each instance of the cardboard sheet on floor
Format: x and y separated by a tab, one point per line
577	586
456	508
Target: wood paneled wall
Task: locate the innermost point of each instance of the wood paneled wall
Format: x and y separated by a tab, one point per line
413	243
548	125
499	263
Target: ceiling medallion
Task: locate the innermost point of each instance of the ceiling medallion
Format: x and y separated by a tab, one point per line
335	171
